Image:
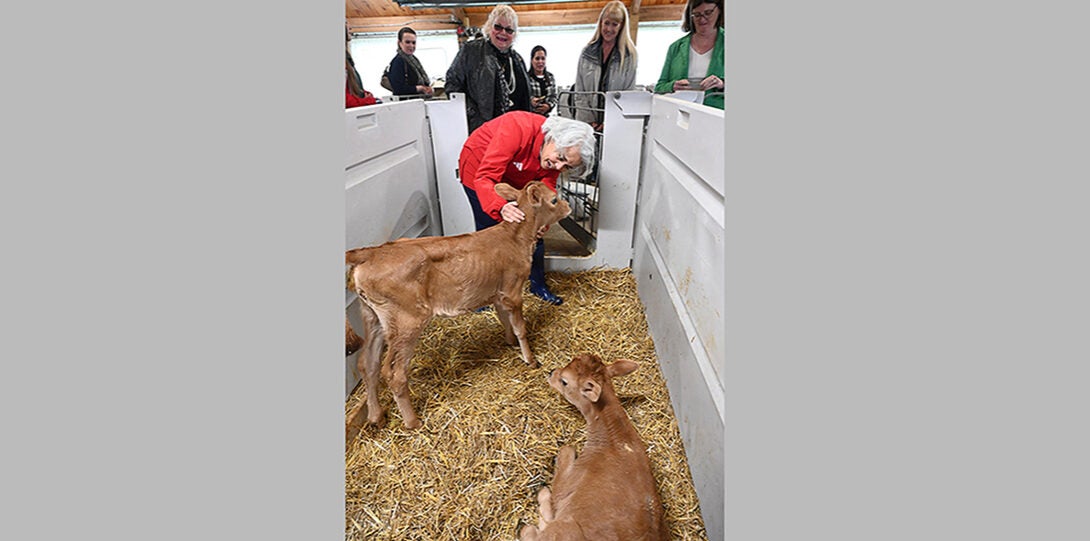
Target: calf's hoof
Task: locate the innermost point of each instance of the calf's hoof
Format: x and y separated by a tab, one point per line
545	506
545	497
377	421
528	533
413	423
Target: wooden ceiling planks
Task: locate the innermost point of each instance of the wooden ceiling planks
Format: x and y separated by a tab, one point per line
388	16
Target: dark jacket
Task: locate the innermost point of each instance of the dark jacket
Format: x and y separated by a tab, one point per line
544	87
474	71
404	76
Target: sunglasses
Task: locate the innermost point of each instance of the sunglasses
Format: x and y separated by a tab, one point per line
706	14
501	28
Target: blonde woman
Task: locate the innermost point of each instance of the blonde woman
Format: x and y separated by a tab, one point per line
608	62
491	73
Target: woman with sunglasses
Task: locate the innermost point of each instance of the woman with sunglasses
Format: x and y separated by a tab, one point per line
490	73
695	62
608	62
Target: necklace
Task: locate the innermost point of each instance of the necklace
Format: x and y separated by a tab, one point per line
510	75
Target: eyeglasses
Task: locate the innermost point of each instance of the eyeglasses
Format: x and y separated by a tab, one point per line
501	28
706	14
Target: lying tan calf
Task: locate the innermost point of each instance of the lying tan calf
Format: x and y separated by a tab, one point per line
404	283
608	493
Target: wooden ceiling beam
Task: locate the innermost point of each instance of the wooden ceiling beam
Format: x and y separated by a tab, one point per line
393	24
555	17
634	20
562	17
460	14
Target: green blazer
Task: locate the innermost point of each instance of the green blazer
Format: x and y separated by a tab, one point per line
676	67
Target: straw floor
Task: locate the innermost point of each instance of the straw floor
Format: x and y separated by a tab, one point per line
492	426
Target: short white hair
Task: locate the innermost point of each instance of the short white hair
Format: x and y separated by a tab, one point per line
502	11
566	133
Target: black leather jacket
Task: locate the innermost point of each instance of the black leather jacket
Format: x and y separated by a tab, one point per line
473	72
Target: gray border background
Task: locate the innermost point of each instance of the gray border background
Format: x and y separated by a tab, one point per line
907	271
906	282
173	228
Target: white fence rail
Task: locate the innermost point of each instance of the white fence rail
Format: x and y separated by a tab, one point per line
390	187
679	266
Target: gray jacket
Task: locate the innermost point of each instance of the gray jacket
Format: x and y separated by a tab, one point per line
473	72
588	74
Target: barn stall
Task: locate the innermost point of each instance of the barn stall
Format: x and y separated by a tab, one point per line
641	271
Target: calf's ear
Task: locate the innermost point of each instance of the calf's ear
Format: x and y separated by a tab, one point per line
621	367
591	390
535	191
507	191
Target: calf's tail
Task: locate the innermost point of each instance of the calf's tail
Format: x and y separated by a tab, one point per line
351	259
355	257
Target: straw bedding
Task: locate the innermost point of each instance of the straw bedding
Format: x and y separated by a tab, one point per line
492	425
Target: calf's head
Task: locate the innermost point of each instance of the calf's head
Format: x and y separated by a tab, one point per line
540	204
583	381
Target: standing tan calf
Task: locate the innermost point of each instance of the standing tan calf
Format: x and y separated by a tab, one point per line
608	493
404	283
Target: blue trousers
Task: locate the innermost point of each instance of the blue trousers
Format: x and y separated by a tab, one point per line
482	220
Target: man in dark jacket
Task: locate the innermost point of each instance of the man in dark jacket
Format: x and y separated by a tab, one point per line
490	73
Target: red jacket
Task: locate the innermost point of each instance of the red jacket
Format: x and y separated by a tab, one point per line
504	149
350	100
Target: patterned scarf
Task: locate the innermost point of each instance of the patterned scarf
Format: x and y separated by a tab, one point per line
505	76
414	65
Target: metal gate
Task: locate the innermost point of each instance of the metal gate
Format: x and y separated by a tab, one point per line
581	194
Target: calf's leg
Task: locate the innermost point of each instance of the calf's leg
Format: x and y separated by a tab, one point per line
370	360
513	309
367	362
565	460
401	336
504	316
545	505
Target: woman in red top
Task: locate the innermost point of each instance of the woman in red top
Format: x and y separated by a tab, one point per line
354	93
516	148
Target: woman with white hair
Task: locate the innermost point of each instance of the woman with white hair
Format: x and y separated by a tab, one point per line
607	63
517	148
490	73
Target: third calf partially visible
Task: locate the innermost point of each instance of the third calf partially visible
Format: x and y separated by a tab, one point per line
608	492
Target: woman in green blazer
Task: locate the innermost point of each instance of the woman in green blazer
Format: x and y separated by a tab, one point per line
695	62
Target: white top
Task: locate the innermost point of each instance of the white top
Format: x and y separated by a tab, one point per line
698	64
